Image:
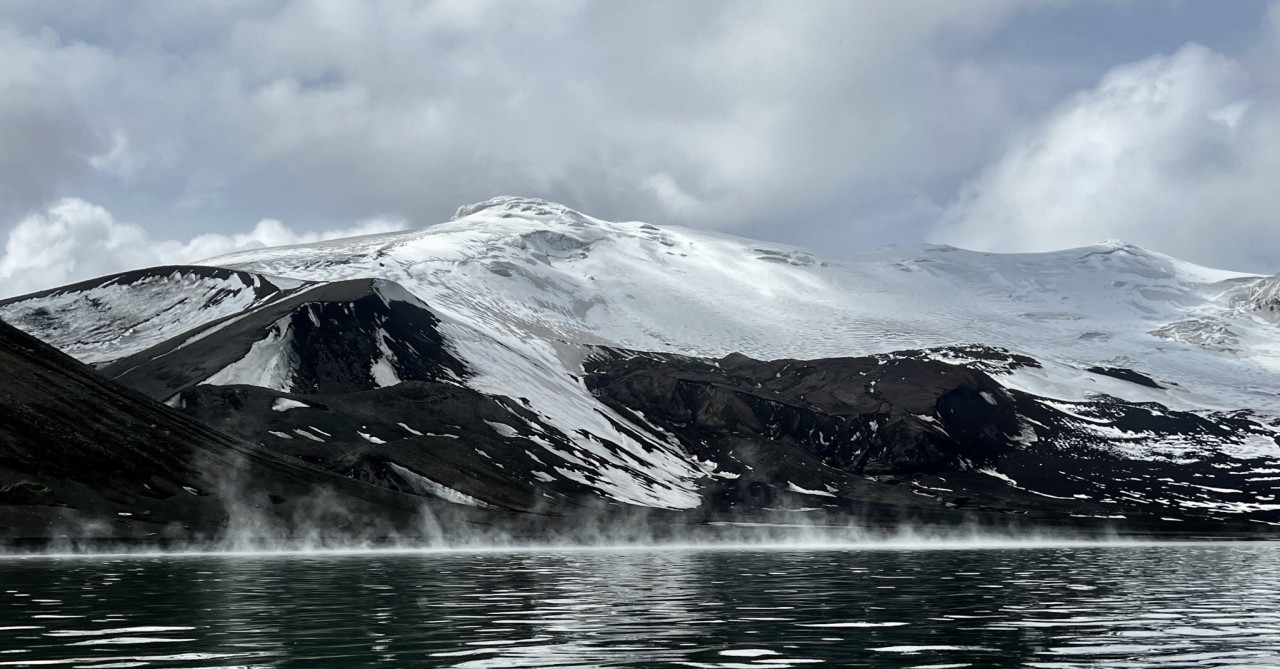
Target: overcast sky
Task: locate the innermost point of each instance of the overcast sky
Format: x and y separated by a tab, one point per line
140	133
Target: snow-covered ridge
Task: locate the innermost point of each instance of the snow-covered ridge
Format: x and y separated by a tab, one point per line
526	270
112	317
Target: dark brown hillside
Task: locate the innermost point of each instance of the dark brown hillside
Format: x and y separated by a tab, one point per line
81	454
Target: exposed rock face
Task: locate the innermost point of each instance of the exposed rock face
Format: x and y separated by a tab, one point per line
932	434
1265	298
955	434
1126	374
862	415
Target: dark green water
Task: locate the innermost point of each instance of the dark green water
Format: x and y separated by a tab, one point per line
1154	606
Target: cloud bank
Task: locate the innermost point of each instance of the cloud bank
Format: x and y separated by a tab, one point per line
997	124
1179	153
747	115
74	239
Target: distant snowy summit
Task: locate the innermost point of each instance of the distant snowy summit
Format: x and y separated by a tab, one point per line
524	356
526	205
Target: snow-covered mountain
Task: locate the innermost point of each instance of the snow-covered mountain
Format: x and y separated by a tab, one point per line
534	315
523	269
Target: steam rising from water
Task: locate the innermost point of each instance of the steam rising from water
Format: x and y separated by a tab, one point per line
327	522
444	530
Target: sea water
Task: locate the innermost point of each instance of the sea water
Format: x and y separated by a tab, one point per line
1174	605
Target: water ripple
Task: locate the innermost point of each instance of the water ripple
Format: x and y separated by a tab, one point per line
1209	605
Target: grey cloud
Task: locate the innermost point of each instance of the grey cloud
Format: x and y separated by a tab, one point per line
46	136
1176	153
699	113
833	124
73	239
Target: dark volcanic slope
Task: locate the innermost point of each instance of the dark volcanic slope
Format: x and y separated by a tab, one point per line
953	434
873	439
433	439
76	448
859	414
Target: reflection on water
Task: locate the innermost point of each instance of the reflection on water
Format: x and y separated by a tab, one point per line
1155	606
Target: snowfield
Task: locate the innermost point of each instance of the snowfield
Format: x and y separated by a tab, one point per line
532	274
98	322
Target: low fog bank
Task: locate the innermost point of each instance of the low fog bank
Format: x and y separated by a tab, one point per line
252	509
325	522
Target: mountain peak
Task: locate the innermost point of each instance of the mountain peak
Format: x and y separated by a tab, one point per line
530	207
1111	245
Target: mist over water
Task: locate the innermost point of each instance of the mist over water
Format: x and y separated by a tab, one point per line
450	533
1199	605
322	522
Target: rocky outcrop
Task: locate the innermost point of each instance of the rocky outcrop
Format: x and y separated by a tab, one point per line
1265	298
862	415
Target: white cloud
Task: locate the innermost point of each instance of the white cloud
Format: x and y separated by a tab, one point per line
73	240
836	124
1178	153
46	137
707	114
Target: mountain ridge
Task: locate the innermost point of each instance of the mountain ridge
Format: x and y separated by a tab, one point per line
477	362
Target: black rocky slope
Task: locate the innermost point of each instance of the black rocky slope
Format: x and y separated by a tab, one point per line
426	438
878	439
949	433
81	456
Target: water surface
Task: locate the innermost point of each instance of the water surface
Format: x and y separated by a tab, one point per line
1206	605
